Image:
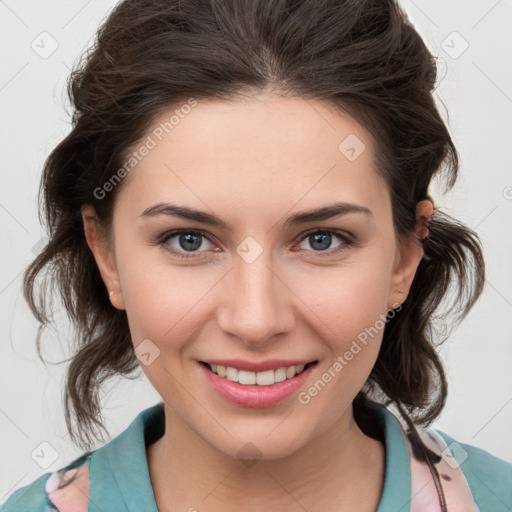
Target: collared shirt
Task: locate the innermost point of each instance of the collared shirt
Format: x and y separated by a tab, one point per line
115	477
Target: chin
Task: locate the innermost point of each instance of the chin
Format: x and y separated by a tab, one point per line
259	446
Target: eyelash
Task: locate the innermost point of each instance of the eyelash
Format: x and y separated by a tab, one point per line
347	242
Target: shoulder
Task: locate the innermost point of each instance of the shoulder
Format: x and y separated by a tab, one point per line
31	498
489	477
63	490
115	472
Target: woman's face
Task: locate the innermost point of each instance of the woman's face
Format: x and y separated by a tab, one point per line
256	285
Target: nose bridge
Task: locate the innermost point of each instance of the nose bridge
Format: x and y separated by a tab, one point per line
256	307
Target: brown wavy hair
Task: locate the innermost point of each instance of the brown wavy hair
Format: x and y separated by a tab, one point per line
361	56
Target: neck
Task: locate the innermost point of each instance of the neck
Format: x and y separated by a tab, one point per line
342	469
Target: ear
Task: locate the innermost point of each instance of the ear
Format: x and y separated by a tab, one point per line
408	255
100	246
407	258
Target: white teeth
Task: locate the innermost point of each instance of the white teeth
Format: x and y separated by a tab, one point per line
266	378
245	377
232	374
280	375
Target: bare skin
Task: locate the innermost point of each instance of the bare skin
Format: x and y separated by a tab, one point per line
281	484
253	163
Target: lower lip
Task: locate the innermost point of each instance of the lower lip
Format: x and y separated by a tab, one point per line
253	395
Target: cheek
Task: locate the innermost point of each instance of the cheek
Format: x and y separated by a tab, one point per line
162	300
345	301
163	306
350	313
348	309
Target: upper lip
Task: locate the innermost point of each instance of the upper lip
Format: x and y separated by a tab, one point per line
260	366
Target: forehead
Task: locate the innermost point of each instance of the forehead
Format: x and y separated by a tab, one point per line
254	153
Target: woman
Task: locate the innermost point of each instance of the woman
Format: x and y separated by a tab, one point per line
242	208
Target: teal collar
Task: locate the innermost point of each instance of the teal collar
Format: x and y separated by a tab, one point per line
120	476
396	495
119	472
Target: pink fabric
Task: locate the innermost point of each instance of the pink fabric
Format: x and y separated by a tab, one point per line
424	497
74	497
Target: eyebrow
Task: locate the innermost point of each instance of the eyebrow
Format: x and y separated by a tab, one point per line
323	213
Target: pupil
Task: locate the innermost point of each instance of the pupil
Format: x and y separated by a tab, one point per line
321	238
187	239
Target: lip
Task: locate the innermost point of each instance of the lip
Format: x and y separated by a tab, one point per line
252	366
255	396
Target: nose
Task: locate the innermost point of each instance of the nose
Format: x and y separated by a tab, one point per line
257	303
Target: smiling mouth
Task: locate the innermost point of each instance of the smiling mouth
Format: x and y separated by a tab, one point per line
265	378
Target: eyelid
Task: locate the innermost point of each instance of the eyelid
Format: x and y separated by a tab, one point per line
339	232
347	240
174	232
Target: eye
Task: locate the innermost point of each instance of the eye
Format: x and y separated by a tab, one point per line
190	241
186	240
320	240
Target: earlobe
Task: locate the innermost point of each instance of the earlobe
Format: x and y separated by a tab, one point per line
103	254
116	298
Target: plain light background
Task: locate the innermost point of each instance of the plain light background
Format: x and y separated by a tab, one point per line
40	42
